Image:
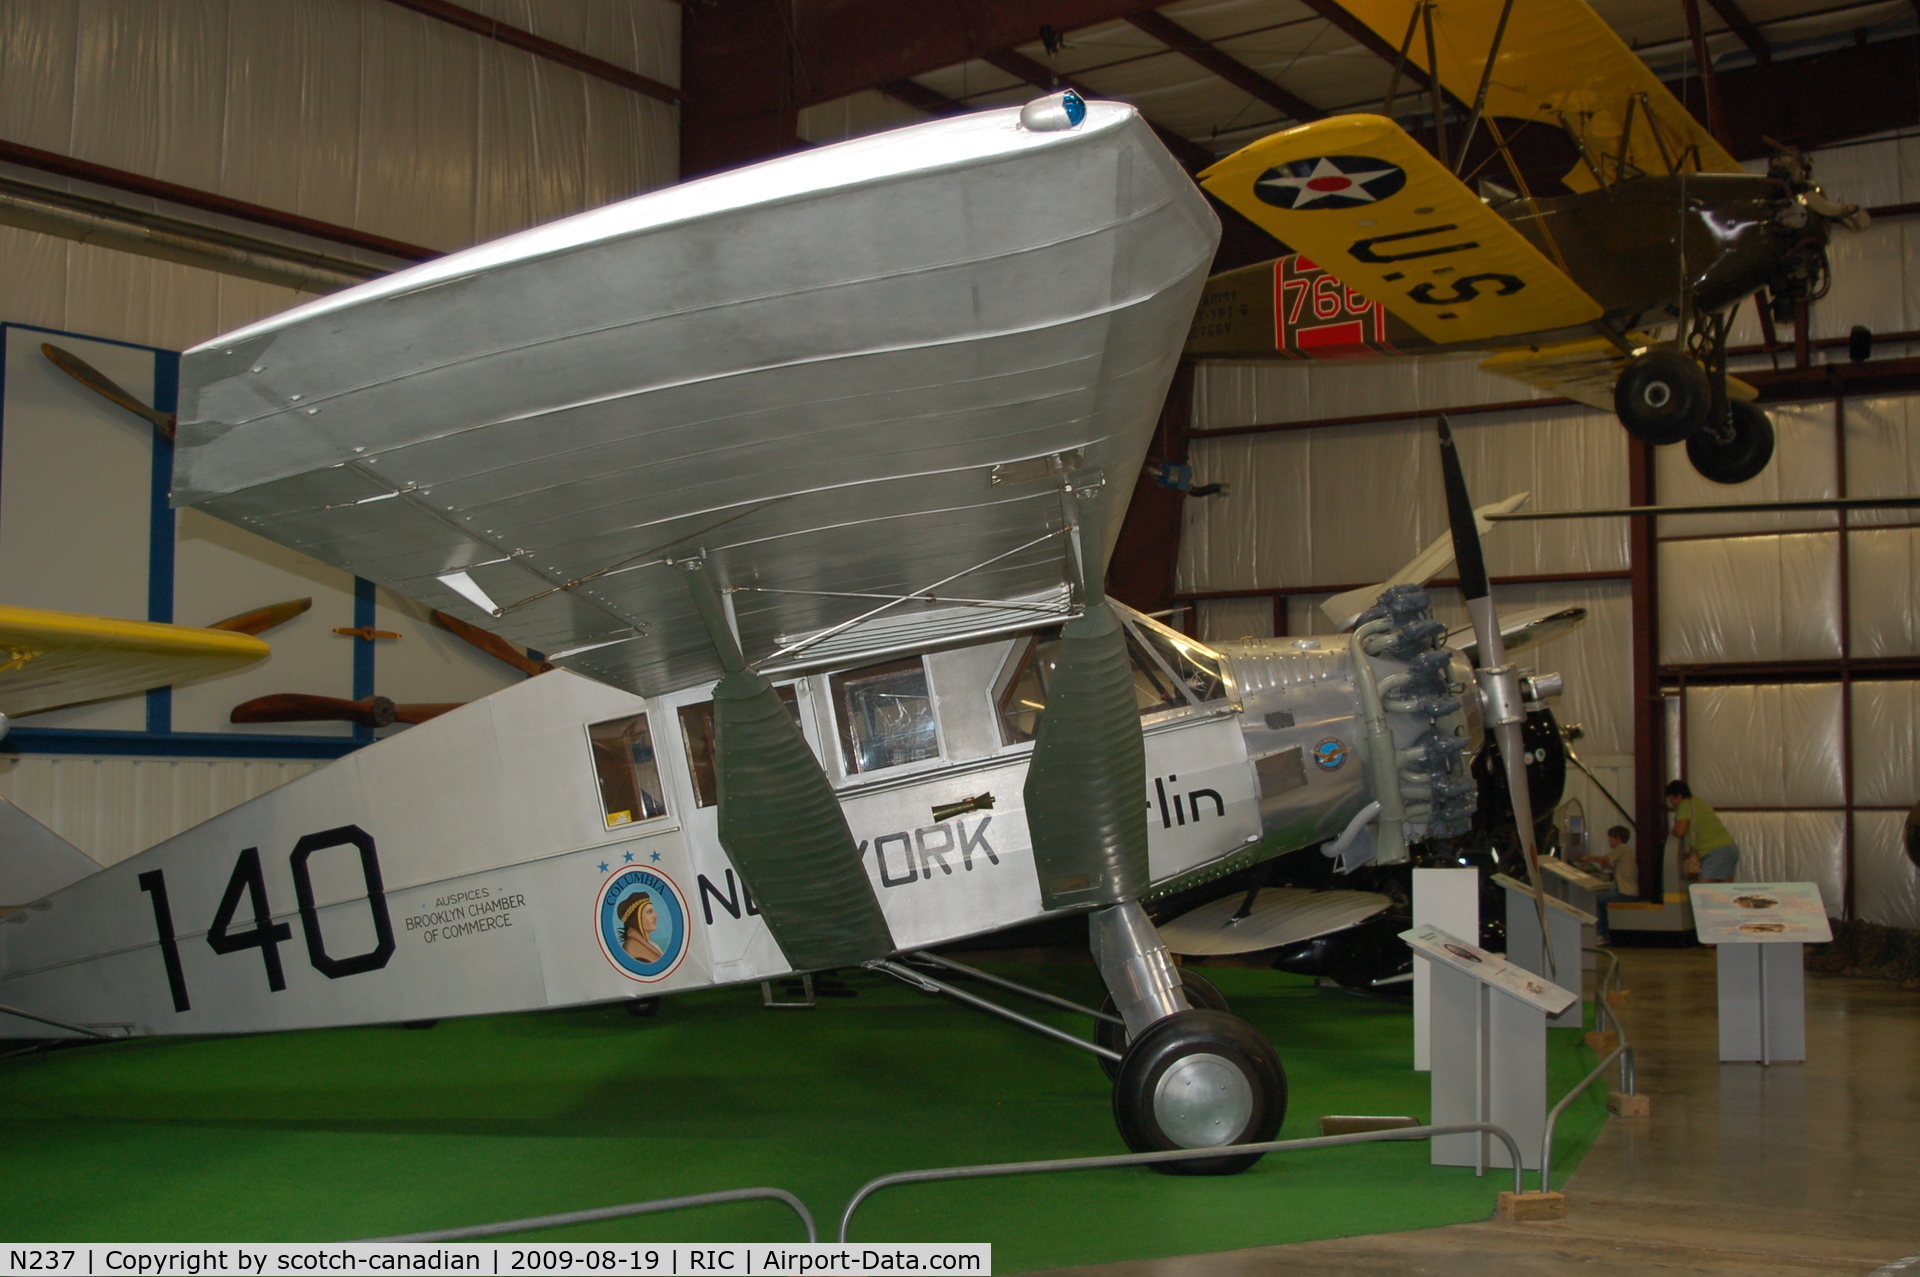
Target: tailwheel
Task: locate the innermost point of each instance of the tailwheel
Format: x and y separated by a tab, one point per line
1663	397
1736	449
1200	1079
1200	994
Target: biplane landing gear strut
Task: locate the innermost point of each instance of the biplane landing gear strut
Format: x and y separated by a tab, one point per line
1189	1078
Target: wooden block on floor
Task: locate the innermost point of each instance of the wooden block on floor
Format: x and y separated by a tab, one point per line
1603	1040
1355	1124
1526	1208
1623	1105
1619	997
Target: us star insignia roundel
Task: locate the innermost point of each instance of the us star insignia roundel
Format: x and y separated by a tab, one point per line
1329	181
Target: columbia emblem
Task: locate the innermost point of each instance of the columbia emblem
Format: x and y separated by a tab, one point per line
1331	181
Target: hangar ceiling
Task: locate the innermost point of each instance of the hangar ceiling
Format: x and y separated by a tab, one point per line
1213	75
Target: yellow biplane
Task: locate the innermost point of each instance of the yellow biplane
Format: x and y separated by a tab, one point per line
1653	226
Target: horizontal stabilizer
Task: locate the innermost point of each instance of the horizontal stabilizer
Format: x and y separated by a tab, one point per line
1344	609
1280	916
35	861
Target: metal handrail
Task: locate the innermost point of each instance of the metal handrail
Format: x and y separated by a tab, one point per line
1553	1116
613	1212
1175	1155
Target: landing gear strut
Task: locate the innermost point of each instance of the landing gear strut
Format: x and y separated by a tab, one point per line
1188	1078
1669	396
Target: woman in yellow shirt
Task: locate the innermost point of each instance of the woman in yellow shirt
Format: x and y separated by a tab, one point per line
1700	825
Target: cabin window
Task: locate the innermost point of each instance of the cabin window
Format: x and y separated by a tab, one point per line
628	773
1023	695
886	716
696	728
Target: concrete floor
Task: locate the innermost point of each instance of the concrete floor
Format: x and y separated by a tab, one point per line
1796	1170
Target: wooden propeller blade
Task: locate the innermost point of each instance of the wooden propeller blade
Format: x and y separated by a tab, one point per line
101	384
262	619
492	644
297	707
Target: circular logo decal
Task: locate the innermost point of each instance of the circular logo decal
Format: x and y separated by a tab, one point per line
641	920
1330	181
1331	753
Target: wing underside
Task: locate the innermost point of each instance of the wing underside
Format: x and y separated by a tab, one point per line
842	377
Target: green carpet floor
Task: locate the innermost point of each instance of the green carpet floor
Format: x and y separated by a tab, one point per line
365	1132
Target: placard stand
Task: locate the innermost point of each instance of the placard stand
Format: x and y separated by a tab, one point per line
1581	890
1489	1048
1763	1006
1759	931
1450	900
1564	928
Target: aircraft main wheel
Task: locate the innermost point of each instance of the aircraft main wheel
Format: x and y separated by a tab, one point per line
1200	994
1200	1079
1663	397
1737	451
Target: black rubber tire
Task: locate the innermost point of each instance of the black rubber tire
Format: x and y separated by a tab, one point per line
1740	458
1201	996
1163	1046
1663	397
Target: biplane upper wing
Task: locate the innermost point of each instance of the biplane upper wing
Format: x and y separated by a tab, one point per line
1559	65
860	374
1363	200
63	658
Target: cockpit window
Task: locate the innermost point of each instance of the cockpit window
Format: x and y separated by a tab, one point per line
1169	673
628	773
886	715
696	729
1197	668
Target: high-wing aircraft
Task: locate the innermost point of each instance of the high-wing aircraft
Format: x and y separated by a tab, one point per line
1654	224
803	476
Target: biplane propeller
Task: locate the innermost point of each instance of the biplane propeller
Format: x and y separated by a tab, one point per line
1568	276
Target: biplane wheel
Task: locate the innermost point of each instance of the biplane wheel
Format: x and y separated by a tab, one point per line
1737	452
1201	996
1663	397
1200	1079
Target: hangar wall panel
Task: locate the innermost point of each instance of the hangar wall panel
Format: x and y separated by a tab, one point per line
1883	457
1885	567
355	112
1756	598
1223	620
1793	846
1772	745
1886	885
1344	505
112	808
1886	743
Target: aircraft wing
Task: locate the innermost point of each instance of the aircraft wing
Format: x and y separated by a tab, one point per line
1583	370
845	376
1363	200
1562	66
63	658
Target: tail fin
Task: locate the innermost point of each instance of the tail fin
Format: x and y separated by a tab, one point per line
35	861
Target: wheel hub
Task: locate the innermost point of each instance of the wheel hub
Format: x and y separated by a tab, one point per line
1203	1101
1657	394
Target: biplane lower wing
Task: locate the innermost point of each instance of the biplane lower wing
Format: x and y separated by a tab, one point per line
1361	199
1584	370
64	658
